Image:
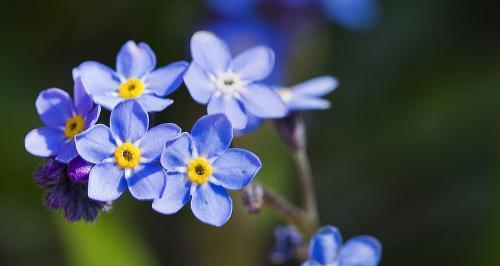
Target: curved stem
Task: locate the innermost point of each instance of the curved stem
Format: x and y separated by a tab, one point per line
306	185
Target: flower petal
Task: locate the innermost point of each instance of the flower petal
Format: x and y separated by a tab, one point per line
325	245
135	61
44	141
229	106
129	121
167	79
175	195
316	87
67	152
97	78
95	144
254	64
54	107
311	263
177	152
198	83
235	168
212	134
210	52
263	102
152	143
361	251
106	182
147	181
211	204
252	124
107	100
152	103
92	116
307	103
83	102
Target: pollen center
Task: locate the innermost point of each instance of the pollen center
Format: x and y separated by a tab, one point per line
199	170
127	155
74	126
285	94
131	88
228	83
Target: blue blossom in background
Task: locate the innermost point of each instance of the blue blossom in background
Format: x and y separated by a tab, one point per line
200	166
326	248
231	86
135	77
64	119
232	8
307	95
287	239
356	15
126	155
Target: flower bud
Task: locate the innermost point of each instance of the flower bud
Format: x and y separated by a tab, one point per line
253	198
292	130
78	170
49	173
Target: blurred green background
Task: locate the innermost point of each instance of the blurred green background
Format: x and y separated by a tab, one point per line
409	151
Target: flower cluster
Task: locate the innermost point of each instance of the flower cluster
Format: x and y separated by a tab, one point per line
89	165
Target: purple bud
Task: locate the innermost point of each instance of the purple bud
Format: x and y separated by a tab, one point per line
78	170
292	130
49	173
55	199
253	198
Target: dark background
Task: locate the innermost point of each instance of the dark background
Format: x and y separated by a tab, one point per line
409	151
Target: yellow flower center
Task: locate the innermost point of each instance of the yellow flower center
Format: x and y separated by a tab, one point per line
127	155
74	126
131	88
199	170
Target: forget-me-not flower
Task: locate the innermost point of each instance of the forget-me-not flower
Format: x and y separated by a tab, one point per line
231	86
64	119
126	154
356	15
326	249
200	166
135	77
307	95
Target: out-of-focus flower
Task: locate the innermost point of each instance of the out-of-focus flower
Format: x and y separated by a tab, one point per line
326	248
201	166
64	119
356	15
65	194
135	77
287	239
126	154
307	95
253	198
232	8
231	86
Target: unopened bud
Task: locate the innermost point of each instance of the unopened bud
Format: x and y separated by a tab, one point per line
79	170
292	130
253	198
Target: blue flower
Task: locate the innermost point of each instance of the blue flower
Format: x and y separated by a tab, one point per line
288	238
200	166
126	154
356	15
232	8
231	86
326	249
306	95
64	120
134	78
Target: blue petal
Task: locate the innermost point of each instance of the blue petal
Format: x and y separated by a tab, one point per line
252	124
361	251
67	152
95	144
54	107
198	83
135	61
229	106
232	8
210	52
316	87
98	78
307	103
177	152
152	103
152	143
44	141
235	168
83	102
92	116
175	195
254	64
311	263
211	204
356	15
107	100
129	121
167	79
147	181
325	245
106	182
263	102
212	134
